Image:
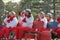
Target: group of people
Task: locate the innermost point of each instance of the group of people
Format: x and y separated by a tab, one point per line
26	23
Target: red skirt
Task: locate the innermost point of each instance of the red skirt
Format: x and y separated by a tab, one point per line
22	30
40	33
58	32
8	30
2	32
44	35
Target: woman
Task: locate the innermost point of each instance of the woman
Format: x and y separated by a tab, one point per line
27	23
42	27
43	18
29	19
21	16
11	23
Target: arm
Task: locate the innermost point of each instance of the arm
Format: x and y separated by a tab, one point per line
30	21
45	23
14	22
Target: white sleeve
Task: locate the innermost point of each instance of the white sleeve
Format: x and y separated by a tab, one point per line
14	22
45	23
31	20
20	19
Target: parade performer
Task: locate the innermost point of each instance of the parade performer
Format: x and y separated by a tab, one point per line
11	23
43	18
21	16
27	23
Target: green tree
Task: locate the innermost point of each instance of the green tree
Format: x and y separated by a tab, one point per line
1	11
35	6
11	6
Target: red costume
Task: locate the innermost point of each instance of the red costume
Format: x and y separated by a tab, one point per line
22	30
2	29
11	23
39	25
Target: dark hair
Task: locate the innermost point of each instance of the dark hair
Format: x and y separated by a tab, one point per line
29	14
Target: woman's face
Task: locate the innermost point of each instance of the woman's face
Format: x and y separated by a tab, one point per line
41	15
26	14
47	17
11	14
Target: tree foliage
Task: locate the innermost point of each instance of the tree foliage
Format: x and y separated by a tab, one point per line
36	6
1	11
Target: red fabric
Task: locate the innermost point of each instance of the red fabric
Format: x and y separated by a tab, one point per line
21	31
2	31
19	13
14	29
54	29
19	24
58	19
27	35
43	29
8	30
39	31
24	20
8	16
10	19
46	29
58	32
25	14
45	35
38	24
18	29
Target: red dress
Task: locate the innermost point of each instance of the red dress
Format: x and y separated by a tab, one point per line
40	28
2	31
22	30
8	30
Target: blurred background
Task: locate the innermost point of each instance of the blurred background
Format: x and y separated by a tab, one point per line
36	6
